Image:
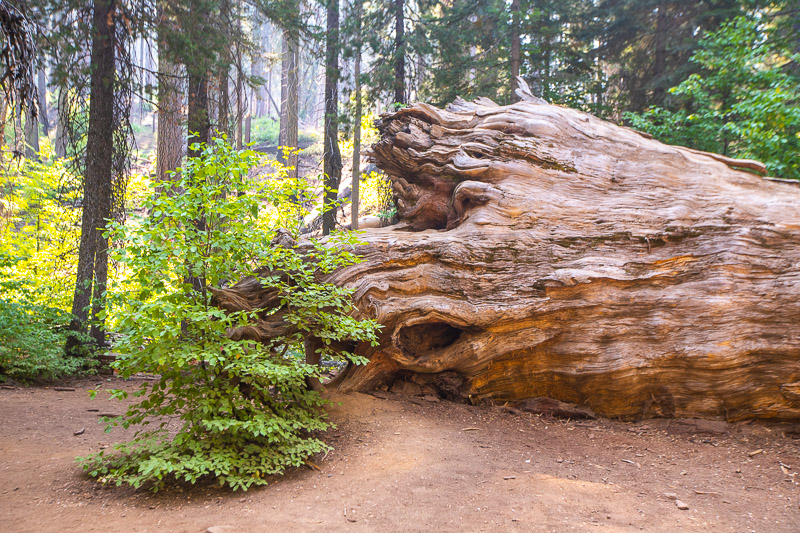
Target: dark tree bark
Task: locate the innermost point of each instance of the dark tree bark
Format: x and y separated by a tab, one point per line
515	49
399	53
660	56
3	118
355	195
289	118
92	272
332	158
198	120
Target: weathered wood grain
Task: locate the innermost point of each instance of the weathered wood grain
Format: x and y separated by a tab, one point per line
543	252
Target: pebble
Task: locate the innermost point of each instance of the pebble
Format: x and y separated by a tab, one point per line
682	506
670	496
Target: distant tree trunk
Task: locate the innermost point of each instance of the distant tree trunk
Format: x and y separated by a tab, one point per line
400	54
332	158
354	196
142	65
3	117
169	147
289	99
92	272
515	49
43	119
198	120
19	134
61	132
31	135
239	79
248	122
224	120
239	100
660	54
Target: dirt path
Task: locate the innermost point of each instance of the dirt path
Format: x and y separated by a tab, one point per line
405	464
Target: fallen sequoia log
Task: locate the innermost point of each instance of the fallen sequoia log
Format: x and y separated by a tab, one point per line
542	252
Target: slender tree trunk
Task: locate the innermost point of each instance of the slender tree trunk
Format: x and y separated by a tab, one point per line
3	117
239	100
248	124
19	134
355	194
332	158
143	65
31	135
170	141
399	53
198	120
224	120
515	49
289	99
660	55
43	119
61	132
92	255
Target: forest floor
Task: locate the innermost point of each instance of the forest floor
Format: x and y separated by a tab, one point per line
404	463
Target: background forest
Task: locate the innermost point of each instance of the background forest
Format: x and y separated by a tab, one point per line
126	173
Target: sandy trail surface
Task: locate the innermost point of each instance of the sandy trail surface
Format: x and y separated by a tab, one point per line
407	464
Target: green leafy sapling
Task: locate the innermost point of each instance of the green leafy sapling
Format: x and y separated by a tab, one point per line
234	410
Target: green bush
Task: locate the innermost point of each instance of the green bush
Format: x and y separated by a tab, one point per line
38	252
244	409
745	103
264	130
267	129
32	335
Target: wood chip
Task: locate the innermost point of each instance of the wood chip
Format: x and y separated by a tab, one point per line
471	429
752	454
79	432
509	477
64	389
705	492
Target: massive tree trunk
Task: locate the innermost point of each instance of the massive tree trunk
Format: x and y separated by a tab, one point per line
544	252
93	252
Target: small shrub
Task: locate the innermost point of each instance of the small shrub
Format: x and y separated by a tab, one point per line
243	410
32	335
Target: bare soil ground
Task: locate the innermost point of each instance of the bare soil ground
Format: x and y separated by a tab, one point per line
406	464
